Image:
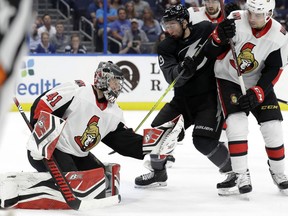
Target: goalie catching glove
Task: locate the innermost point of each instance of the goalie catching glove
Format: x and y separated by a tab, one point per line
163	139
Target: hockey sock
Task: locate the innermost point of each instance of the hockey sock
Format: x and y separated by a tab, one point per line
221	158
157	162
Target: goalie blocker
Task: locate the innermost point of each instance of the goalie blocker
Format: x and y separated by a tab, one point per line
38	190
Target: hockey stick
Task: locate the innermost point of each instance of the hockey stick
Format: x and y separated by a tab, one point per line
282	101
233	50
72	201
167	90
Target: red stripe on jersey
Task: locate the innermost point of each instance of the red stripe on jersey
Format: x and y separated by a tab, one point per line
224	126
238	147
276	153
222	56
263	31
41	106
277	77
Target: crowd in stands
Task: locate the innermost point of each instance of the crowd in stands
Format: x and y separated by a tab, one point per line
133	25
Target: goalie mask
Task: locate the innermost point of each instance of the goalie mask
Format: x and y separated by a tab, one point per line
109	79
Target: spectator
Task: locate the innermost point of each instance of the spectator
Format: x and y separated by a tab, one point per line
60	40
133	38
91	12
120	25
111	16
34	39
116	4
45	46
150	25
118	28
161	37
47	26
76	47
140	5
282	4
38	22
79	9
130	10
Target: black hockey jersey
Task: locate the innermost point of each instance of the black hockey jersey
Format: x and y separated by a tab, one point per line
172	51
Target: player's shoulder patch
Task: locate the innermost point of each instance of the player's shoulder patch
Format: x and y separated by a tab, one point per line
80	83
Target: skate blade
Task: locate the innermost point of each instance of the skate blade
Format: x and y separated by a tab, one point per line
233	193
228	191
153	185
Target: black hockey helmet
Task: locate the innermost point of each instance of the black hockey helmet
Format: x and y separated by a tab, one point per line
176	12
109	78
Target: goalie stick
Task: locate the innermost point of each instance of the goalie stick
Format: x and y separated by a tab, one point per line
72	201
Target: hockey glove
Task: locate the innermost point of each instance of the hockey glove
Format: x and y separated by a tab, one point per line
254	96
189	66
224	31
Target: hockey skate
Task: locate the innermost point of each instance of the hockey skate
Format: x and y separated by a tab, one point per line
228	186
156	178
281	181
244	182
158	175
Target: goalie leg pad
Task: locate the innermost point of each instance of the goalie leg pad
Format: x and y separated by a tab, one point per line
38	190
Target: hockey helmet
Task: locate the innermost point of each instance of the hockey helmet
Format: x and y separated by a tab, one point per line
109	79
176	12
261	6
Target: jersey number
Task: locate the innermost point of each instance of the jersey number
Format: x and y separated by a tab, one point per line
53	98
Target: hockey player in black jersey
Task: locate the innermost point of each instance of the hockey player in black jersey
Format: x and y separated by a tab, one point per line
195	95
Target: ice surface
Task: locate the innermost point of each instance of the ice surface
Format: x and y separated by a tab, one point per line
192	180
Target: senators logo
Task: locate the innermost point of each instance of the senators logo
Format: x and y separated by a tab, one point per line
91	137
246	60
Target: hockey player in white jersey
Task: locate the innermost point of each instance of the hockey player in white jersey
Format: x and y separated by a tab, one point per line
210	11
261	46
88	114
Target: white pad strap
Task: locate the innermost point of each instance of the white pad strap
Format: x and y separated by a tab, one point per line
45	135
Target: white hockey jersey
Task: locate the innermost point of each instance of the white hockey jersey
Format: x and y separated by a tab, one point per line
252	49
87	120
198	14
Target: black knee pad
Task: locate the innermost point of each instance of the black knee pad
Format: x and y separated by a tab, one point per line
204	145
